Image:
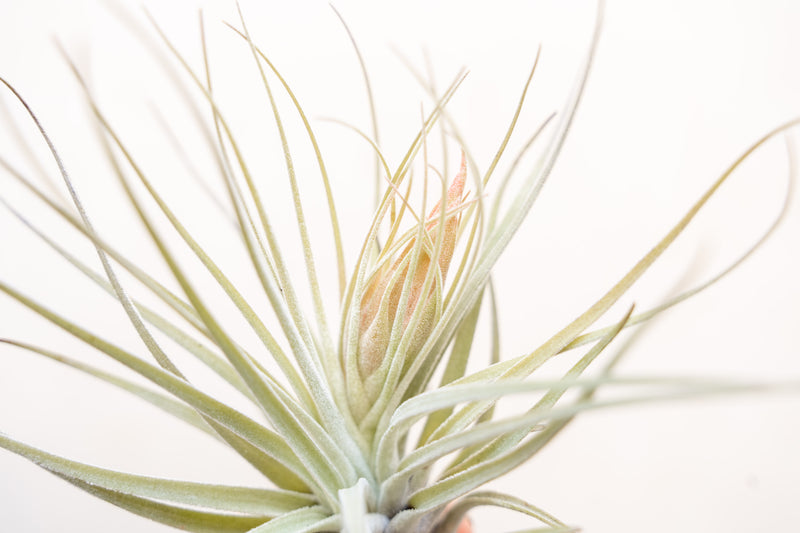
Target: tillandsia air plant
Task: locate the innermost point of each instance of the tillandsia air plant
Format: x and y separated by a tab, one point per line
357	370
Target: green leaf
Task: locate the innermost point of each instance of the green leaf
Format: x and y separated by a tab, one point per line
131	311
221	367
446	397
650	313
511	438
334	218
459	509
178	517
311	444
457	485
308	255
306	520
277	461
173	301
522	366
294	325
167	404
456	366
264	503
497	241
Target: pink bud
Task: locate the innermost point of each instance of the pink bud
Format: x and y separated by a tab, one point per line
380	301
465	526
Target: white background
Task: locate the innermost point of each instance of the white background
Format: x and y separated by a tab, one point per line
679	90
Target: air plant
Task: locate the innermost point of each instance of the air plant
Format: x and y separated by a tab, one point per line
371	421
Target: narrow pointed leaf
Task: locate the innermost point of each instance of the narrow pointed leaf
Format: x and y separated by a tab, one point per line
262	502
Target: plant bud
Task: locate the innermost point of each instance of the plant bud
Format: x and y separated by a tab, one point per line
380	301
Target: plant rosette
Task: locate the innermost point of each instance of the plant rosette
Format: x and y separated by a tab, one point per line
353	369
